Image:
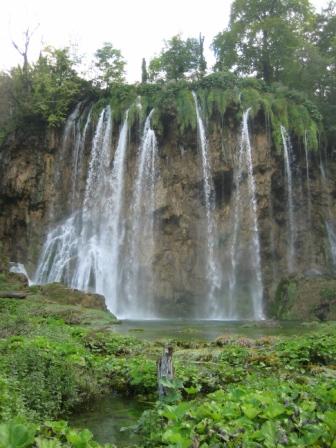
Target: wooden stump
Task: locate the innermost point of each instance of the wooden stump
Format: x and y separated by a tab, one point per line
165	370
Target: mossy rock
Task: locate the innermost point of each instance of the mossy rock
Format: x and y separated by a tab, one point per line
4	261
10	281
59	293
305	298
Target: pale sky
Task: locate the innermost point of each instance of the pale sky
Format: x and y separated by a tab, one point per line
136	27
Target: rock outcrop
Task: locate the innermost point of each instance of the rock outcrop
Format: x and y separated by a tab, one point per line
36	177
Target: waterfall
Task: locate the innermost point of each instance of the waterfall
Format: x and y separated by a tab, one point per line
79	146
245	252
105	243
70	138
101	239
58	252
309	201
139	287
257	292
84	250
70	243
213	274
288	160
329	221
19	268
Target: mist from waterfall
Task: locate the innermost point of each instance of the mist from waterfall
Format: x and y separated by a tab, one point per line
214	307
292	231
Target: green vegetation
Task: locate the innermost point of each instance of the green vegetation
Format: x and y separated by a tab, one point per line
110	66
265	38
43	94
298	298
179	59
234	391
277	57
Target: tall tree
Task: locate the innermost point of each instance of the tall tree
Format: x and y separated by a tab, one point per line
325	40
55	84
23	51
144	73
263	37
110	65
178	60
202	65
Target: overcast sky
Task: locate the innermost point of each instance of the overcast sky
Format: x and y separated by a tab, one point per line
136	27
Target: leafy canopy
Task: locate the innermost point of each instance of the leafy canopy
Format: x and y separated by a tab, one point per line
179	59
110	66
264	37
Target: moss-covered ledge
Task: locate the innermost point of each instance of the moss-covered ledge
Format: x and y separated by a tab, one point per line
300	297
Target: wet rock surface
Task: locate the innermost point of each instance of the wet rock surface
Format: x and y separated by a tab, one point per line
35	178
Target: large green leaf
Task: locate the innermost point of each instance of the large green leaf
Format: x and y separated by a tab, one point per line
16	435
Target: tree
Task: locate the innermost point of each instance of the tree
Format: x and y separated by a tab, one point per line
264	38
325	41
110	65
202	65
23	50
144	73
54	88
179	59
55	84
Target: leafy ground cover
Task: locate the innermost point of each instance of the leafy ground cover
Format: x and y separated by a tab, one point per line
232	392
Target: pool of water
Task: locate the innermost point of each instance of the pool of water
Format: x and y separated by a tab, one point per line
187	330
106	417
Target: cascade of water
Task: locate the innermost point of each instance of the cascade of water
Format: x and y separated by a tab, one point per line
288	159
92	225
245	163
19	268
257	292
329	221
84	250
214	309
141	245
102	232
70	137
79	146
234	252
309	200
60	250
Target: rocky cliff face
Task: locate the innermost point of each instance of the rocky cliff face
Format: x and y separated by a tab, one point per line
26	173
39	189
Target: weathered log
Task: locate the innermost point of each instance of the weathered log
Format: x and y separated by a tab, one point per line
165	370
12	295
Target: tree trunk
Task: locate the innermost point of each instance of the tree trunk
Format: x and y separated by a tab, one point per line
165	370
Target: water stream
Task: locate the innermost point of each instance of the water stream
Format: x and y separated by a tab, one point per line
288	159
84	250
214	306
245	252
328	220
310	244
139	285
